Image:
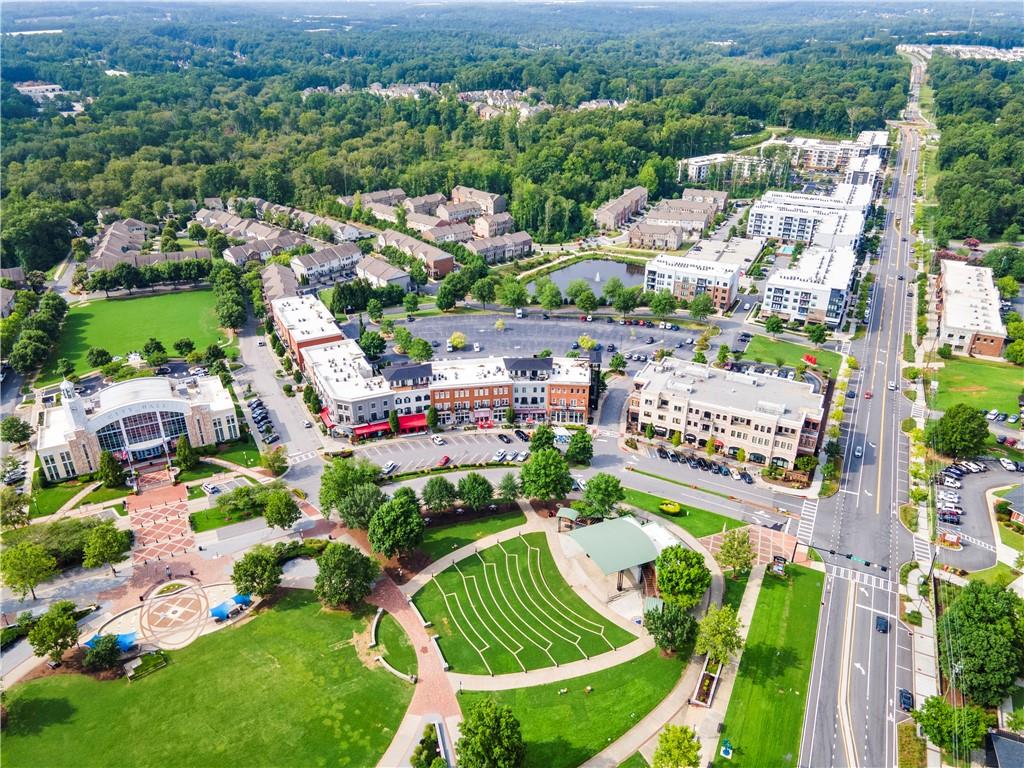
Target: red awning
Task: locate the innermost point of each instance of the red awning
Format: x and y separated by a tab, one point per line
325	417
412	421
371	429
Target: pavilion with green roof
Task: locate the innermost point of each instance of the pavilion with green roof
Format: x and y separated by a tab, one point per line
616	545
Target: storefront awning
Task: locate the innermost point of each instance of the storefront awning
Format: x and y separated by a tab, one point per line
412	421
371	429
325	417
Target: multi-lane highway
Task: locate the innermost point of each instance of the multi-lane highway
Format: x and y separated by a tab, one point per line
852	708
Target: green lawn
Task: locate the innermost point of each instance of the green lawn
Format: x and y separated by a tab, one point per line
442	539
636	760
46	501
980	383
734	589
124	325
563	731
697	521
766	710
214	517
770	351
102	494
244	452
394	645
212	704
202	471
508	609
1010	538
1000	574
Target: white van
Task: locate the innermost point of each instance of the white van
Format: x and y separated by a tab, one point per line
519	312
1008	465
949	482
448	347
476	346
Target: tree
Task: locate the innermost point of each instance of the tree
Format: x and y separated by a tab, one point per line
617	363
111	473
153	347
397	526
483	291
183	346
475	491
345	577
276	460
576	287
64	368
736	552
104	654
432	420
512	293
702	307
372	343
627	300
97	357
678	747
1015	720
1014	352
446	297
682	576
612	287
457	340
196	231
439	494
671	627
586	342
491	737
411	302
257	572
817	333
984	627
960	433
374	309
510	416
499	325
56	631
341	477
602	493
1008	287
773	325
508	488
359	506
580	449
281	510
393	422
718	634
25	566
105	545
546	476
427	754
550	297
586	301
420	350
13	508
960	729
36	234
15	430
185	456
663	304
542	437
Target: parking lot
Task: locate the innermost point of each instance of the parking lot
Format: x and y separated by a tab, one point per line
418	452
224	486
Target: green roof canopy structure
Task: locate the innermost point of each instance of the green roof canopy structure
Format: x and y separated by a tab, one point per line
616	545
567	513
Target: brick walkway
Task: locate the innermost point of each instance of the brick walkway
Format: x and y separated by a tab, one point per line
149	481
765	542
161	532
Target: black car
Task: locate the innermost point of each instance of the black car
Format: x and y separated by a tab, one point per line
435	343
609	320
703	464
544	315
163	370
611	347
504	438
662	453
714	467
881	624
650	339
673	458
522	435
951	519
746	478
253	403
906	700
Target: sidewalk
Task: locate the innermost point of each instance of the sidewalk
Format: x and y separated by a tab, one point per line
925	654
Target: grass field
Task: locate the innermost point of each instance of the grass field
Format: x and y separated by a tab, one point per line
913	750
770	351
766	710
46	501
102	494
210	705
244	453
563	731
980	383
734	589
124	325
636	760
697	521
508	609
394	645
442	539
1000	574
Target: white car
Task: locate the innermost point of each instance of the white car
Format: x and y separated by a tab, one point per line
499	456
949	482
942	495
437	440
858	451
892	386
511	456
524	455
746	307
388	468
1008	465
476	346
991	415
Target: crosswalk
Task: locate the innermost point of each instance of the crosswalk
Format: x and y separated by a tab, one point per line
864	579
922	550
298	458
969	539
808	514
918	411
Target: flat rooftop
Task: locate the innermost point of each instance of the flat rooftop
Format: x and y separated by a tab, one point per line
970	298
740	251
305	317
343	371
818	267
769	395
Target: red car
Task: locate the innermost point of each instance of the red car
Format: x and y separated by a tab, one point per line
445	461
583	318
868	395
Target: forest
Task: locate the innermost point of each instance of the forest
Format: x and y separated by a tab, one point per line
979	107
213	105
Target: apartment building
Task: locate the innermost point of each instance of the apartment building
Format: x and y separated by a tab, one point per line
426	204
686	278
438	263
865	170
825	155
614	213
967	302
771	420
493	224
503	247
737	166
389	197
718	199
816	289
262	249
833	221
382	211
421	222
327	263
458	232
279	282
459	211
690	218
489	202
381	274
658	237
302	322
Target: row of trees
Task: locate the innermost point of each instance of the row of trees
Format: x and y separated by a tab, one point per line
29	331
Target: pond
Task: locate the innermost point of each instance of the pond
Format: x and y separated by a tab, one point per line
596	272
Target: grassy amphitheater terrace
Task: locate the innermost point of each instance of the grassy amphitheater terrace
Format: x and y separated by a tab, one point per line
507	609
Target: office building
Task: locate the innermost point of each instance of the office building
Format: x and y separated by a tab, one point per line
302	322
967	302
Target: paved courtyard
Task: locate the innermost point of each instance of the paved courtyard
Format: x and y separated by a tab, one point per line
161	532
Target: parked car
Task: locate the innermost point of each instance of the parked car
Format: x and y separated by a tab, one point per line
273	437
499	456
522	435
444	461
950	482
906	700
437	440
388	468
524	455
1008	465
163	370
504	438
253	403
950	519
662	453
674	458
745	476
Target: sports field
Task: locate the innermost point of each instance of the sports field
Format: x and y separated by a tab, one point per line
286	688
507	609
125	325
766	709
981	383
